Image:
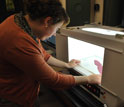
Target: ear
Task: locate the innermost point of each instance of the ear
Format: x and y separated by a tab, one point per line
47	21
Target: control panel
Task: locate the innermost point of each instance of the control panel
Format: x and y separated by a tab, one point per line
93	89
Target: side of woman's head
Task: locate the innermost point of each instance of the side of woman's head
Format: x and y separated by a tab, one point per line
41	9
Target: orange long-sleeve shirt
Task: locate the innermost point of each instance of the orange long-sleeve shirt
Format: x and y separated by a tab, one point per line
23	65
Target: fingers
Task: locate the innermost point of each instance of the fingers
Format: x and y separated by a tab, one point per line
75	61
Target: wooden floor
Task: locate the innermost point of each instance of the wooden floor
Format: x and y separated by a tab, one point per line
49	99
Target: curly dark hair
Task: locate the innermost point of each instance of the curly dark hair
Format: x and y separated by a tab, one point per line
40	9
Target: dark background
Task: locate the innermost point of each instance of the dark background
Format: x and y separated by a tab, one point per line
79	13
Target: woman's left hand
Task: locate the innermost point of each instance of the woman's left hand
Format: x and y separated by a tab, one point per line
73	63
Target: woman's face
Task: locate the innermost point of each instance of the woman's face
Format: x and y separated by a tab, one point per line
50	31
45	31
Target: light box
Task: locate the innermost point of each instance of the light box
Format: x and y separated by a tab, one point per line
90	55
101	51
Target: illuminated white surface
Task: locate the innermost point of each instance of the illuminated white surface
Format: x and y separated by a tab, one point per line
103	31
86	53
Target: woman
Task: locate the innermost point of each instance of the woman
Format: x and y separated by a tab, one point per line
24	64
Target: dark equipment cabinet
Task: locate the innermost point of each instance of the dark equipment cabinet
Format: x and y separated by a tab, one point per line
18	4
78	11
113	13
81	98
78	97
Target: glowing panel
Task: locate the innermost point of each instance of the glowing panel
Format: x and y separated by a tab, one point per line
90	55
103	31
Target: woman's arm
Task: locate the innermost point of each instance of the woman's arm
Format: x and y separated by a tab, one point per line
55	62
92	79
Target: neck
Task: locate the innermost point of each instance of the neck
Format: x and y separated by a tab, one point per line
33	24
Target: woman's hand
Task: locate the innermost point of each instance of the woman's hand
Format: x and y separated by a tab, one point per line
94	79
91	79
72	63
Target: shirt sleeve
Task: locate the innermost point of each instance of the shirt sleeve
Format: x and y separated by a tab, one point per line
46	55
26	56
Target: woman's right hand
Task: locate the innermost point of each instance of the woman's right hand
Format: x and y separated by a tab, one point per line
91	79
94	79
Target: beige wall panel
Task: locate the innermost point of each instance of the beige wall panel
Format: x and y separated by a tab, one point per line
99	14
63	3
